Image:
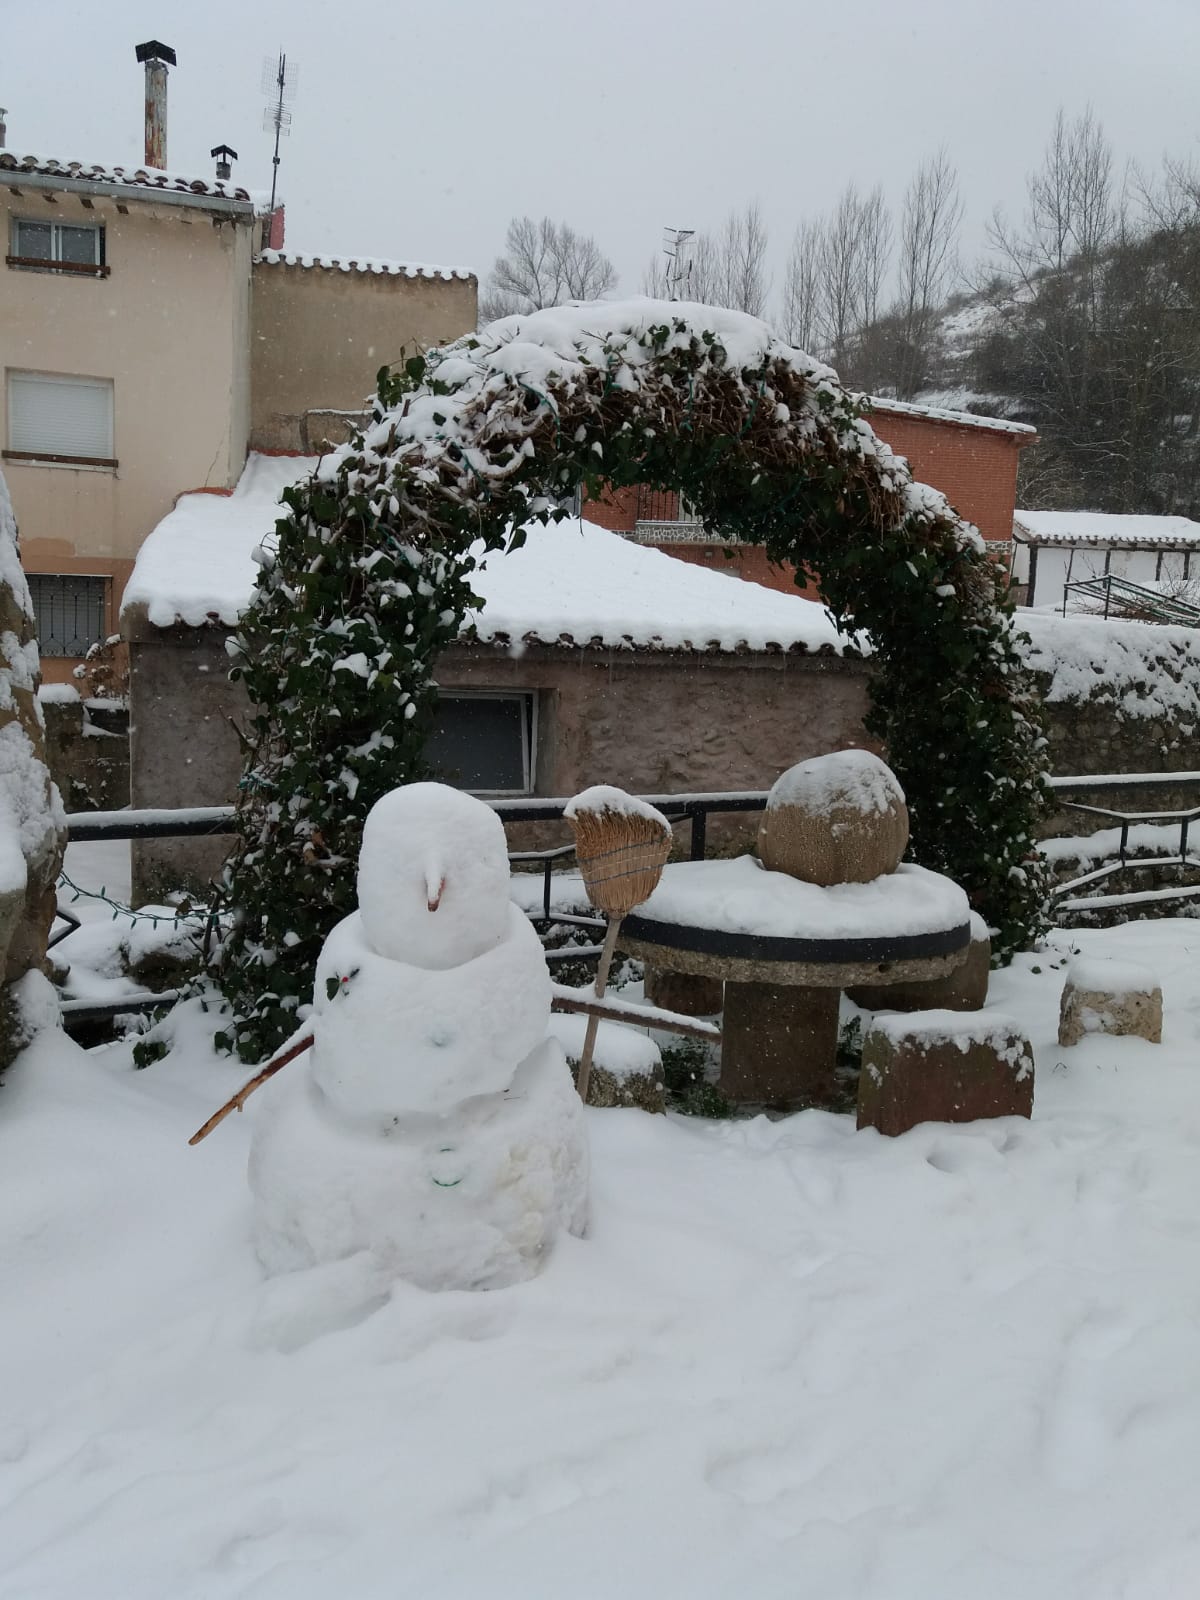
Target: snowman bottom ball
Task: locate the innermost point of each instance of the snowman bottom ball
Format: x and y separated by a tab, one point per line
468	1200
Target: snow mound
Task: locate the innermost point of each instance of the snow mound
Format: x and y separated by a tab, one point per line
1144	671
740	896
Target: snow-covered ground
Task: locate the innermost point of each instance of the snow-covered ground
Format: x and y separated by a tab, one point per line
789	1359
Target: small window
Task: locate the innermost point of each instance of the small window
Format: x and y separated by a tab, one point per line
58	246
484	742
70	612
59	419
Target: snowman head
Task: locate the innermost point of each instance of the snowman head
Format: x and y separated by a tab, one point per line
433	877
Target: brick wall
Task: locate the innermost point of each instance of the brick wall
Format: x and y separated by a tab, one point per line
619	510
974	468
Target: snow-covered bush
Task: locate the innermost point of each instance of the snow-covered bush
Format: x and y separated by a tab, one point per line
369	581
32	826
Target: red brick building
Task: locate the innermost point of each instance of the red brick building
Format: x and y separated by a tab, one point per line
972	460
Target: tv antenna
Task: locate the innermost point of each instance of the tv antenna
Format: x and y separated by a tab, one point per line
676	245
279	85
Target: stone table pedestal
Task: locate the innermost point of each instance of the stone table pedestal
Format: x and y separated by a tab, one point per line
779	1036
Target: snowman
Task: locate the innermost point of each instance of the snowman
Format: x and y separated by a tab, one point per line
434	1125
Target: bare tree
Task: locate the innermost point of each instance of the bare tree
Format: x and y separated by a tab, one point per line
875	255
929	227
728	267
802	287
654	279
545	264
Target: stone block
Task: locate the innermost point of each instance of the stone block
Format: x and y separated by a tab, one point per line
1114	997
943	1066
964	989
626	1064
685	992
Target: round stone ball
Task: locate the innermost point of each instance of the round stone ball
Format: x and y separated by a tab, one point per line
839	818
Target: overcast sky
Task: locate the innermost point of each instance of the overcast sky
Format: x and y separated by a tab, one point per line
420	129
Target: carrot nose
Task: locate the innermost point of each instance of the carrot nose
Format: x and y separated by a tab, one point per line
435	895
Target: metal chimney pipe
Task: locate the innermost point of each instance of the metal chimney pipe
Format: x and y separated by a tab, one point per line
157	57
3	128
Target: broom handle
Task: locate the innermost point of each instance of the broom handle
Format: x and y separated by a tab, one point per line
589	1038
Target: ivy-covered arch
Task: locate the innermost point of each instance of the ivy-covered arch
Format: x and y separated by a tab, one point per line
368	580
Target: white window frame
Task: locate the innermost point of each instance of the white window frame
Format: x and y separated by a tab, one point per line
46	456
55	262
529	733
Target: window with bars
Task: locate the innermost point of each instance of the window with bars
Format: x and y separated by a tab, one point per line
58	246
485	742
70	612
56	418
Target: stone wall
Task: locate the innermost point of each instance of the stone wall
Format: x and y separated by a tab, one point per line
1117	697
661	722
650	721
87	749
320	334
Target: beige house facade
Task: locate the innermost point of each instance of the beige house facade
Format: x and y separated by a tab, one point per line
322	328
145	347
124	349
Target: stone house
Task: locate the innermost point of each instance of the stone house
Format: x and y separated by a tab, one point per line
593	659
147	343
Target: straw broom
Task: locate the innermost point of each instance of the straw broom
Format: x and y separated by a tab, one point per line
621	845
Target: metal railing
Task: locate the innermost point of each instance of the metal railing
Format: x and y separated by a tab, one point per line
212	821
1181	860
1132	600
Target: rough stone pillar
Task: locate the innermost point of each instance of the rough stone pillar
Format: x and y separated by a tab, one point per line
32	826
779	1046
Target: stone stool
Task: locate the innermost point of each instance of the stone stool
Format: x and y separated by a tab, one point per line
1116	997
965	989
626	1064
943	1066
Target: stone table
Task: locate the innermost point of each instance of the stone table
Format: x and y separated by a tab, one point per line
785	950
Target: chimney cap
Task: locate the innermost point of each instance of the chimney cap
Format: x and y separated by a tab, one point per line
154	50
223	150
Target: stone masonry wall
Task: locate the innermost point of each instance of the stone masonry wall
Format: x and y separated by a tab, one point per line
87	750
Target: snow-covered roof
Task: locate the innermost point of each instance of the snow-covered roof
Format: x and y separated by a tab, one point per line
138	179
1106	529
572	583
965	419
398	269
198	564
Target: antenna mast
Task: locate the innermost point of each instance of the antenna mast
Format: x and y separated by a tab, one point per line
279	84
676	244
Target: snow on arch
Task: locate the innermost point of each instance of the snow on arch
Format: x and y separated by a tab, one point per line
477	429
